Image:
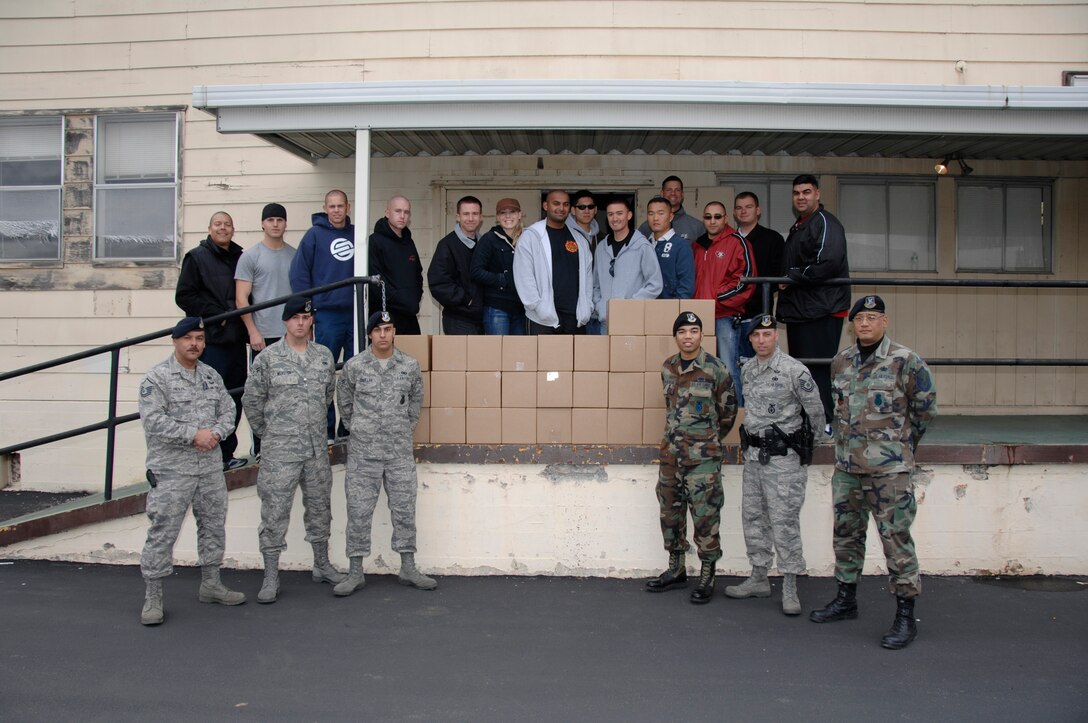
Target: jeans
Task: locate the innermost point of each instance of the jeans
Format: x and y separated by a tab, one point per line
728	337
596	328
335	330
504	323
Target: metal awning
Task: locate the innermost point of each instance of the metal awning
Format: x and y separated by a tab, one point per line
537	117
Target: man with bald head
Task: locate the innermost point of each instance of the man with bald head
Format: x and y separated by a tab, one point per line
392	255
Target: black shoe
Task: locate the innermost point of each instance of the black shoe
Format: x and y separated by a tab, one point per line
668	580
702	594
843	607
904	629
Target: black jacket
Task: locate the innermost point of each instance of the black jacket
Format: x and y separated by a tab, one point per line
815	251
493	270
450	279
206	288
396	260
767	246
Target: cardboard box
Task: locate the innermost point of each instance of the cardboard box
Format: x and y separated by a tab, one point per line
589	426
653	426
519	353
626	317
627	353
625	390
591	389
704	309
483	426
591	353
624	426
553	426
519	426
449	353
734	434
658	349
518	389
653	394
423	428
710	345
554	389
660	315
555	353
483	389
447	425
484	353
426	389
447	389
418	347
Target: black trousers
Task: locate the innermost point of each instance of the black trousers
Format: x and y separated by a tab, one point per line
817	339
461	325
268	341
230	361
568	324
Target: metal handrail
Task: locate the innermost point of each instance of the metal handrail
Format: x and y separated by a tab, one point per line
112	421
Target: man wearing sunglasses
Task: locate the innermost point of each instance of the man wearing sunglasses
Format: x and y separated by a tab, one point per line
625	265
583	224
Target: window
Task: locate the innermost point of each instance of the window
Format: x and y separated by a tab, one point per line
30	181
891	224
775	195
1003	226
136	186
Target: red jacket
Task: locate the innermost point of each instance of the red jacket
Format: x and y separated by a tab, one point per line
718	271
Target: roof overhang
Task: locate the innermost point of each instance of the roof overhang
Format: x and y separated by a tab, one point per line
547	116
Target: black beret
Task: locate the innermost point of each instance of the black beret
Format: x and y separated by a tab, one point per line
763	321
186	325
378	317
297	305
686	318
867	303
274	210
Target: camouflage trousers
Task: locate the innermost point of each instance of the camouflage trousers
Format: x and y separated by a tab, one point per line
276	485
771	499
166	507
363	482
697	488
891	500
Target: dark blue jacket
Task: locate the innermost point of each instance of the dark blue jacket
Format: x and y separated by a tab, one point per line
677	267
325	254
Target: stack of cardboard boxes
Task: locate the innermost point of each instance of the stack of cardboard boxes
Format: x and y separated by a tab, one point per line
553	389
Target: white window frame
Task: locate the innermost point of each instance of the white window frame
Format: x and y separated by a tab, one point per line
1046	218
888	182
175	185
55	189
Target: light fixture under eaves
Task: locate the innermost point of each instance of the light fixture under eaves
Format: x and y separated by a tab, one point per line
965	169
942	167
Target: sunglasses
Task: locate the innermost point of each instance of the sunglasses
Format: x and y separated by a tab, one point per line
585	206
715	216
612	268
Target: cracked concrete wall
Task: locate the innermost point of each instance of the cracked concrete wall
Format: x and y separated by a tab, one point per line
583	520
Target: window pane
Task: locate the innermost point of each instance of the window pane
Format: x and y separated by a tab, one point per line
1024	224
30	138
912	228
779	212
29	225
979	228
864	214
135	223
137	149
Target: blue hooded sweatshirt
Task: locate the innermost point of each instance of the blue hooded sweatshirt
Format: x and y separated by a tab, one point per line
325	254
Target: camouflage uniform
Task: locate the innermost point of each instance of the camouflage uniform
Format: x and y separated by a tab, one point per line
174	403
701	407
286	401
772	494
379	402
882	408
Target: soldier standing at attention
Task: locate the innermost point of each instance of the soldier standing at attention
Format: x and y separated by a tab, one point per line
700	408
382	389
186	412
290	387
783	406
884	400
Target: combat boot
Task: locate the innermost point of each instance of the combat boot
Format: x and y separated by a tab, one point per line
324	571
675	576
757	585
410	574
152	614
705	590
355	580
904	629
212	589
843	607
270	587
791	604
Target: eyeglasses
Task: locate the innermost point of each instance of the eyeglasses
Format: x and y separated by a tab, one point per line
585	206
715	216
867	318
612	268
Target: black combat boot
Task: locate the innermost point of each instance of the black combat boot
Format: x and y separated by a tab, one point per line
904	628
675	576
701	595
843	607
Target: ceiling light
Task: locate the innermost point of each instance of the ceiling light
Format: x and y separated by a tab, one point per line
942	167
